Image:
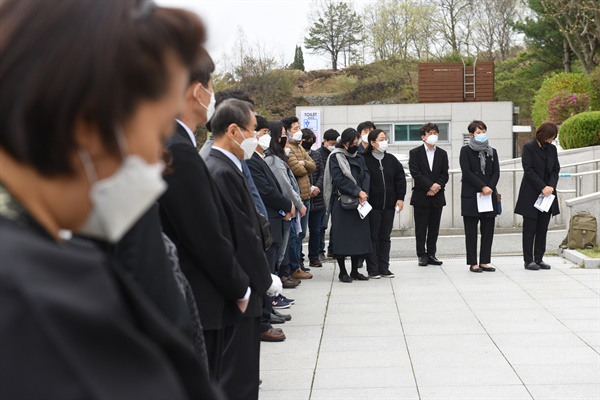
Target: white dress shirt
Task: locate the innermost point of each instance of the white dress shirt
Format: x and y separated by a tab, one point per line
231	156
430	154
189	132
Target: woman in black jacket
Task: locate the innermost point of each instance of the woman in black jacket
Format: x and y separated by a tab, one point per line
346	173
480	174
387	191
540	176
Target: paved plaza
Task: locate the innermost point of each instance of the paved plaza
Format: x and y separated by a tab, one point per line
441	333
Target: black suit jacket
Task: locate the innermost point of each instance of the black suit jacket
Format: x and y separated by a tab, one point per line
423	177
194	219
540	169
270	193
473	180
242	219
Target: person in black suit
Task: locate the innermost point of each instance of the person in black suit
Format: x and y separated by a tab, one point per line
193	218
233	127
428	165
480	173
540	177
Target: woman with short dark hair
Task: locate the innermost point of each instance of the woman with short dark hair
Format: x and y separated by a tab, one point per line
540	177
89	93
347	174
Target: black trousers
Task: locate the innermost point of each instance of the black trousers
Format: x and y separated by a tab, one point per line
534	236
381	223
427	229
241	361
486	226
216	340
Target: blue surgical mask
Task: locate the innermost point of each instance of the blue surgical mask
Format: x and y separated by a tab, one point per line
481	138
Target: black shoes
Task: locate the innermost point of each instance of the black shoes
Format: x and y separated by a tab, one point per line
422	261
478	269
274	319
387	274
286	317
431	260
487	269
359	277
543	265
345	278
532	266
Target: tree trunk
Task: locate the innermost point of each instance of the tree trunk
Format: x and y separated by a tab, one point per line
334	62
566	56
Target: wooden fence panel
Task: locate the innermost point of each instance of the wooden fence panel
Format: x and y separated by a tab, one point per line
445	82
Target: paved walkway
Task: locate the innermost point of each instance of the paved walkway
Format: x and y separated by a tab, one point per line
441	333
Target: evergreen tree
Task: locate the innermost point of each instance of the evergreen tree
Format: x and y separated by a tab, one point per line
298	59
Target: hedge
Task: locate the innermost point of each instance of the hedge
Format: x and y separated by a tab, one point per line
581	130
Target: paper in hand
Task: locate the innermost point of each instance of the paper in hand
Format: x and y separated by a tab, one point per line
484	202
364	209
543	203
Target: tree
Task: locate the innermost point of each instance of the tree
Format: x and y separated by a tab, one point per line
579	23
454	23
493	31
337	29
298	59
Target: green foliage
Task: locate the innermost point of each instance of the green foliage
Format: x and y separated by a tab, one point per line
563	106
298	59
559	83
581	130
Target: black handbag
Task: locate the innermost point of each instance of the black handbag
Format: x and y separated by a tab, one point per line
348	202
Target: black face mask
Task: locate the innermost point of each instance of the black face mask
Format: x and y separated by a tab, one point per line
307	145
283	141
352	149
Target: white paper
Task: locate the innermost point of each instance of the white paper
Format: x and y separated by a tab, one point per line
298	223
364	209
543	203
484	202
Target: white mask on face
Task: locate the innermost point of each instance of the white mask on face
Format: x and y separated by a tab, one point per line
264	141
297	136
248	145
365	138
120	200
330	148
287	151
210	109
383	145
432	139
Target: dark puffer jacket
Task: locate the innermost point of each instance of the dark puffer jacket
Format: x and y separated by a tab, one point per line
319	156
388	181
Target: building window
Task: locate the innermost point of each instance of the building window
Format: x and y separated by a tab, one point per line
409	132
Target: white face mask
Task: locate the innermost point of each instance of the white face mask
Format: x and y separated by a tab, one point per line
432	139
264	141
248	145
383	145
210	109
287	151
365	138
297	136
330	148
120	200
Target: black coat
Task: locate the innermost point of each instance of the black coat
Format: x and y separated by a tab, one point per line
194	219
388	181
319	156
423	177
242	219
75	326
473	180
350	235
270	193
540	169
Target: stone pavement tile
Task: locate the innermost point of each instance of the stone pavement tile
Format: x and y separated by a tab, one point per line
582	325
347	378
377	357
517	314
581	292
300	331
290	379
590	338
570	392
291	345
561	313
295	359
461	313
513	392
505	324
364	344
372	318
283	394
363	330
512	295
558	374
555	303
550	355
415	302
566	339
430	350
465	375
447	326
365	393
360	287
383	303
305	319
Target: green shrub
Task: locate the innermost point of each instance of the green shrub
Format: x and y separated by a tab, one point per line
581	130
559	83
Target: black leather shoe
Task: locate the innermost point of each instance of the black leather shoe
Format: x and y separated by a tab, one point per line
287	317
431	260
478	269
422	261
532	266
487	269
345	279
543	265
359	277
274	319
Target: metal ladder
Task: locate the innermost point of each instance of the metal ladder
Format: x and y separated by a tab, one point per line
465	76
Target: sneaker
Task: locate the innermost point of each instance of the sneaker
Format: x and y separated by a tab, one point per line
374	276
280	304
532	266
283	298
387	274
299	274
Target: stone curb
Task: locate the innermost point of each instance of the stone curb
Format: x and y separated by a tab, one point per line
579	259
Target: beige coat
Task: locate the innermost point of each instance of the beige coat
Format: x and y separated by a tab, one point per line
301	172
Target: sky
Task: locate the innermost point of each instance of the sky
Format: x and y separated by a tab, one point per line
277	25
